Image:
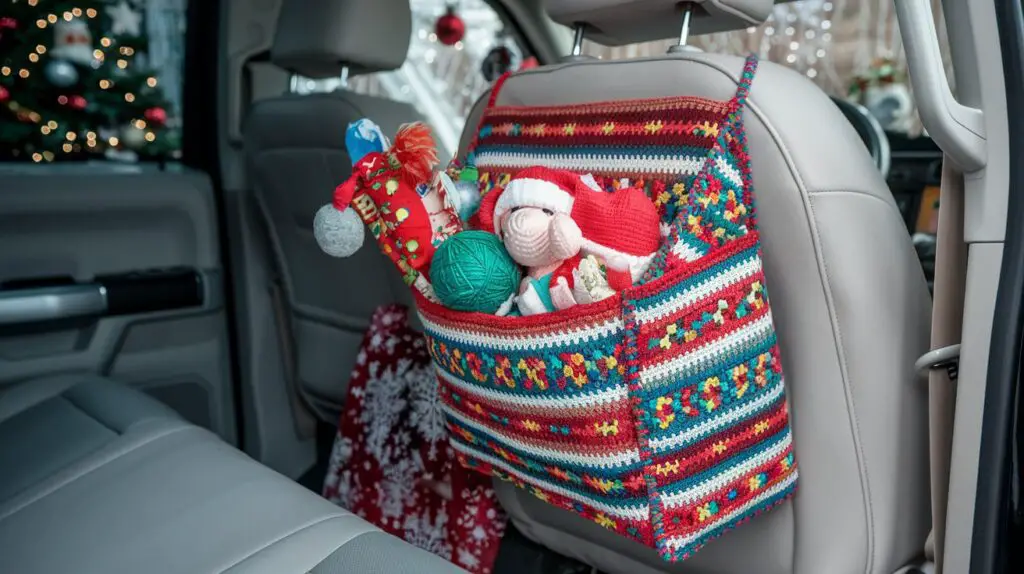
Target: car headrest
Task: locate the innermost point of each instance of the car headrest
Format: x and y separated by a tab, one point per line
619	22
318	38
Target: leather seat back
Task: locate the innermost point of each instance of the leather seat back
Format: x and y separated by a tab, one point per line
295	148
849	300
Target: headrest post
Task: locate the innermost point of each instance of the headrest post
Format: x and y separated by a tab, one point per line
343	78
684	31
577	41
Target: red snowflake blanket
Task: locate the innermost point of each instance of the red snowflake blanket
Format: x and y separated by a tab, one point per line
391	463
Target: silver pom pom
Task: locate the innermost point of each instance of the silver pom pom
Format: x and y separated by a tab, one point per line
338	233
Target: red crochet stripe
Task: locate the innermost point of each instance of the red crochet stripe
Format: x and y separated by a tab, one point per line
710	335
681	271
703	455
590	440
555	322
689	515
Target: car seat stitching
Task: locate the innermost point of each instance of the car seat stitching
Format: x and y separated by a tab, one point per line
302	528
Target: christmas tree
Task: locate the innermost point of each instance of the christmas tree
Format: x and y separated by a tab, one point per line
74	84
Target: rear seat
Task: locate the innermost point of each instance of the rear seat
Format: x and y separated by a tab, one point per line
97	477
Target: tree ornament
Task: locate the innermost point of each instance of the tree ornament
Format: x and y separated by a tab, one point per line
77	102
4	94
132	137
450	27
61	73
7	23
156	116
124	20
72	41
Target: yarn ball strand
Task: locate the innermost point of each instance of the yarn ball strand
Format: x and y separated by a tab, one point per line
471	271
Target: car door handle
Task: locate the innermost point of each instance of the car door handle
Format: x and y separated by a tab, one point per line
42	304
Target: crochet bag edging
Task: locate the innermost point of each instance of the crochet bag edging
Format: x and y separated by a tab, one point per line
659	413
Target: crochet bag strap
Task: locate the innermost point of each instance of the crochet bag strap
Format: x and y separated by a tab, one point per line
491	101
719	205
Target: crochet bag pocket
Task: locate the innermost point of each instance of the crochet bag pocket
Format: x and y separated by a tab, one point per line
659	413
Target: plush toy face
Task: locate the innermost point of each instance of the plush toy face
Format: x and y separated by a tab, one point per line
536	237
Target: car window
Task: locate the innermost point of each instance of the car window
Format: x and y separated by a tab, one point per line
91	80
442	81
850	49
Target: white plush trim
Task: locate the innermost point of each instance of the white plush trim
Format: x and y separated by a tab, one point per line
638	264
533	193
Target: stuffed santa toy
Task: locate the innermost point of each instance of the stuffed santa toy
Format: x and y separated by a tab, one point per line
548	219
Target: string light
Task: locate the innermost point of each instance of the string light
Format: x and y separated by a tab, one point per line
33	2
71	136
45	129
104	84
68	16
76	11
66	147
33	57
122	64
41	49
113	141
140	124
150	136
37	157
52	124
5	71
98	54
48	155
151	82
52	18
91	12
62	99
41	23
129	97
105	42
23	73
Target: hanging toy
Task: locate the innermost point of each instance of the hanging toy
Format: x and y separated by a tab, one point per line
390	192
472	271
460	186
450	28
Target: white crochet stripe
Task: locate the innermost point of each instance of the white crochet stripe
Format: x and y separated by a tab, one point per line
605	461
530	342
675	164
517	402
726	168
639	511
708	427
736	273
638	264
719	481
741	338
685	251
676	542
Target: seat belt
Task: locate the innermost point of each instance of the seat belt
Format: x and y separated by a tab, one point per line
941	362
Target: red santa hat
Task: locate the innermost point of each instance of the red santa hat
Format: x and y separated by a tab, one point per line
622	226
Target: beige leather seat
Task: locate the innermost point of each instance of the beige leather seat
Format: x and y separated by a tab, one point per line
849	299
295	147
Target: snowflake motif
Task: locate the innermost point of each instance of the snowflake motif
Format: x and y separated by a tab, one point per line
376	342
397	488
341	452
361	357
468	558
383	404
427	415
422	532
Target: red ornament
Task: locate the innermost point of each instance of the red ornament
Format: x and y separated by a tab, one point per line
4	94
77	102
450	28
157	116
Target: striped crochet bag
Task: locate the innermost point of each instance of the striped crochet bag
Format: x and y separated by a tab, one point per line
659	413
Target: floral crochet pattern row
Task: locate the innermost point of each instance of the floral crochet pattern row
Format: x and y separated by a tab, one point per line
659	413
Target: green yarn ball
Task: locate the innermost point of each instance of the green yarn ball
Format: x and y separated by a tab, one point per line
471	271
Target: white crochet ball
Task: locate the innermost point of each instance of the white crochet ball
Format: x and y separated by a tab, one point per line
339	233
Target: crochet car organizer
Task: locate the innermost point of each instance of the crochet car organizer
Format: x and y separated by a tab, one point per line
659	413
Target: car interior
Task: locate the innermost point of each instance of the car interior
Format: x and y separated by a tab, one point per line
175	346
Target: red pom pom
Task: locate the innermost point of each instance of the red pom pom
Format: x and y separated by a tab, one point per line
416	152
450	28
157	116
